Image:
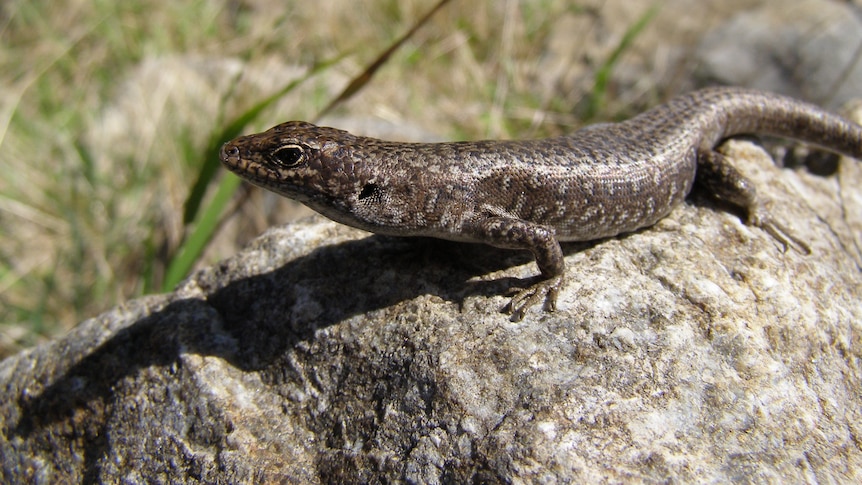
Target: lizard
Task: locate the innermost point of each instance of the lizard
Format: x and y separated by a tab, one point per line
597	182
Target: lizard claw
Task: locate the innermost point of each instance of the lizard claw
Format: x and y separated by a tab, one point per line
524	298
761	218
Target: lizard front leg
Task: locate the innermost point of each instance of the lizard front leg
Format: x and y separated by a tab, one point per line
511	233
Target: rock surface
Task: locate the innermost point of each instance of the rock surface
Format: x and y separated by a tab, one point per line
693	351
808	49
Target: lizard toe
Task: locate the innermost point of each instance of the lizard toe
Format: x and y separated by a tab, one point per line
525	298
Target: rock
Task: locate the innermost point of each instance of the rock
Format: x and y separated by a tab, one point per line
808	50
693	351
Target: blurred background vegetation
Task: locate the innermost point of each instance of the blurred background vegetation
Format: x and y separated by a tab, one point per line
111	114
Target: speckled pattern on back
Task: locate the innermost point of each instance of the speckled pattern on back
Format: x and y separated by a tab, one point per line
600	181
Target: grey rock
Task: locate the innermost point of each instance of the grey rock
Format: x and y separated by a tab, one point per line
809	49
693	351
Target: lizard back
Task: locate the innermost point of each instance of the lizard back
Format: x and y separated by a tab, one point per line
600	181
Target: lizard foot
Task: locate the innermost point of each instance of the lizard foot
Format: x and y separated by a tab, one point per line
524	298
761	218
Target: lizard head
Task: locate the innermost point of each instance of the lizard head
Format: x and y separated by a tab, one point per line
299	160
358	181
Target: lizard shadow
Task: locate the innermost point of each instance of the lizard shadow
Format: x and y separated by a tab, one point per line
251	322
270	312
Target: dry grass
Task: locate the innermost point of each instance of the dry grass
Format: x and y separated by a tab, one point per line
105	107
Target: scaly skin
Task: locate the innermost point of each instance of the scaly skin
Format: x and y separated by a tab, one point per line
600	181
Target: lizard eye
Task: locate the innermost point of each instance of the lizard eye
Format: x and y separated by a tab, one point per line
288	156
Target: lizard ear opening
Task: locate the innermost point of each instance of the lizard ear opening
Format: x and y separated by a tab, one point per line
370	190
288	156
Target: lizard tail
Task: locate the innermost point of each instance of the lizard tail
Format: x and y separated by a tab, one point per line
749	111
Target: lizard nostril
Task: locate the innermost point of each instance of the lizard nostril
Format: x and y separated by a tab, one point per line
229	150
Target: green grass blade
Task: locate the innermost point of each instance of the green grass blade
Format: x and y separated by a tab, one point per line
362	79
193	246
603	74
210	163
